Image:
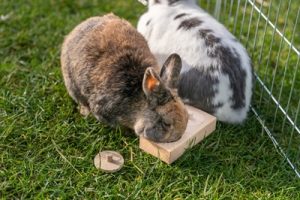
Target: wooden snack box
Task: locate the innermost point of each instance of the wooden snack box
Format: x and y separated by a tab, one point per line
199	126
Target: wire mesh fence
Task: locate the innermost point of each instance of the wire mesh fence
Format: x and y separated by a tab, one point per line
270	31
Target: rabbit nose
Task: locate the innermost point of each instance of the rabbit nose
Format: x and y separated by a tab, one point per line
152	134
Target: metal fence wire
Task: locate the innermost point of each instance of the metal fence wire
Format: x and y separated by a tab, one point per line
270	31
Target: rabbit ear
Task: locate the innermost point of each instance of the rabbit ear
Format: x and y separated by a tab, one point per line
151	82
155	91
170	71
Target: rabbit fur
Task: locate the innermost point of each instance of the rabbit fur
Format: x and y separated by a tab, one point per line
216	74
108	70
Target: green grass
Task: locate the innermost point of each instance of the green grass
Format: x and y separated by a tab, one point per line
47	148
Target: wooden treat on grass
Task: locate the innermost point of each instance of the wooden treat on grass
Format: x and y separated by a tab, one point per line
200	125
109	161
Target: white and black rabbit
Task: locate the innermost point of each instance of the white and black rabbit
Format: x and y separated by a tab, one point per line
109	71
216	74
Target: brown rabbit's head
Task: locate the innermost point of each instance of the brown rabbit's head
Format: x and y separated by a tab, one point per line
165	117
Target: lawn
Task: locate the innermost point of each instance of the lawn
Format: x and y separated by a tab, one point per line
47	148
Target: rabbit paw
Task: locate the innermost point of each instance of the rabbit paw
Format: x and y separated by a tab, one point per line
85	111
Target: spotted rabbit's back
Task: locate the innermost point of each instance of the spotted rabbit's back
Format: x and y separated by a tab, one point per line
216	74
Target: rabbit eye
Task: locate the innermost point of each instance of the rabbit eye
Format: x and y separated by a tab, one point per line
166	124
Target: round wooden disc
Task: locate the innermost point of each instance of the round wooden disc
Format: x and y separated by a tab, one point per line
109	161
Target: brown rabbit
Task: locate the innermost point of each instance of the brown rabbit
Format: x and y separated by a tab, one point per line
109	71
